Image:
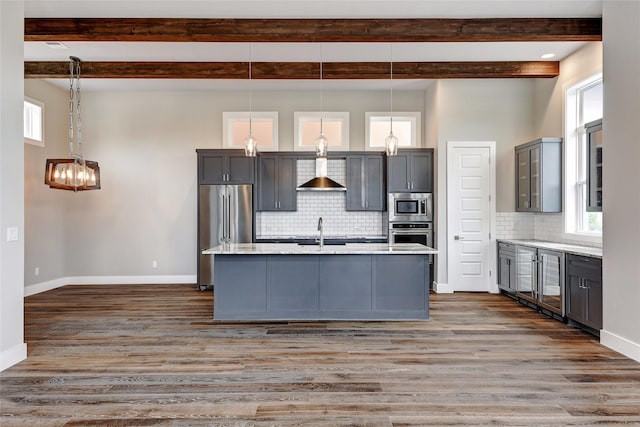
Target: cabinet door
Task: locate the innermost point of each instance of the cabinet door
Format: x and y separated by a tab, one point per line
397	173
551	279
594	179
512	272
526	272
241	169
522	165
356	192
267	184
593	316
374	183
535	171
287	196
212	169
421	172
503	271
576	298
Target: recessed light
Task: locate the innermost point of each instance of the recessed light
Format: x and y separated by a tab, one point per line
548	55
56	45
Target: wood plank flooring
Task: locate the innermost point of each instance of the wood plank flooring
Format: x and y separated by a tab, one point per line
148	355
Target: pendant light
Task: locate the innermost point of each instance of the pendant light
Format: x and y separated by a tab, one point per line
74	173
321	142
250	143
391	142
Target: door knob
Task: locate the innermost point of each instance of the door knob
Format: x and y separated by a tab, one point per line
458	238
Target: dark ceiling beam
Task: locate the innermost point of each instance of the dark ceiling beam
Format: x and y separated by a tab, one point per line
313	30
297	70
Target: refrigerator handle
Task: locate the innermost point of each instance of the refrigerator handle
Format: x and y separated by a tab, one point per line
229	218
224	219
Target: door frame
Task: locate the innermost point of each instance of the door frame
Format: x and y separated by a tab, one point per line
492	285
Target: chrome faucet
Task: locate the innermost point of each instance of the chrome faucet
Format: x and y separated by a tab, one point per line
321	234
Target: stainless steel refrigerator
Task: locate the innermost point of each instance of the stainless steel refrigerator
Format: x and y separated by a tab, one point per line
225	216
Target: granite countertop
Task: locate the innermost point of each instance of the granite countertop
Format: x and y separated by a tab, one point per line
557	246
295	249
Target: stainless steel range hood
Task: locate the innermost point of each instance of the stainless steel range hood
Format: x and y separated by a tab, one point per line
321	182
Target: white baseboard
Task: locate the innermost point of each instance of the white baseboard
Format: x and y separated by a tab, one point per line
442	288
620	344
107	280
10	357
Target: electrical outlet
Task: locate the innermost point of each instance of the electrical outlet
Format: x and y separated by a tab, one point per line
154	264
36	271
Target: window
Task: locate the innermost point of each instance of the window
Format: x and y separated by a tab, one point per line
406	127
264	127
335	127
583	105
33	122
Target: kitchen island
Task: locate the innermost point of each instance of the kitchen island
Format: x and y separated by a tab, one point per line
287	281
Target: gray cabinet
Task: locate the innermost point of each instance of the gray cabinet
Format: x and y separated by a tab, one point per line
410	171
225	167
365	182
594	166
507	267
540	278
539	176
277	182
584	291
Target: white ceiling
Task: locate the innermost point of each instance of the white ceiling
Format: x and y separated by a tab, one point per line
152	51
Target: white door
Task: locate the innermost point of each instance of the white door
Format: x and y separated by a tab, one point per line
470	212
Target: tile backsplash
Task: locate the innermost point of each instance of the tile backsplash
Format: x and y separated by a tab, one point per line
528	225
330	205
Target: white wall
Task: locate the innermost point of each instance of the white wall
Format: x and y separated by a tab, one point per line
621	177
145	143
481	110
12	346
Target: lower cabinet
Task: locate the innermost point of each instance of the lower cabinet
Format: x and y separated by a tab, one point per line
584	291
507	267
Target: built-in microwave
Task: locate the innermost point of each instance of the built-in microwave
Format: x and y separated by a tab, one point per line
410	207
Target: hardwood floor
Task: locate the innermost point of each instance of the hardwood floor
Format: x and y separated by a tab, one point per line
152	356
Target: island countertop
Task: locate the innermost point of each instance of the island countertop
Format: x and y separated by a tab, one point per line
297	249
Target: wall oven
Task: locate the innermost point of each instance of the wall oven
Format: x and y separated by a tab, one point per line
411	232
410	207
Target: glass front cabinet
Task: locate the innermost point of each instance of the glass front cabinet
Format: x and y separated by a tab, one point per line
594	164
539	176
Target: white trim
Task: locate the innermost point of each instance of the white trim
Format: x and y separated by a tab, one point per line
442	288
314	116
14	355
108	280
492	285
620	344
228	117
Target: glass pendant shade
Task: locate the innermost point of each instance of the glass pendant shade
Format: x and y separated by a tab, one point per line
322	144
250	146
72	174
391	145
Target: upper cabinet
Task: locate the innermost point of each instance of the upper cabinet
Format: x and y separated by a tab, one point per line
225	167
365	182
277	182
410	171
539	176
594	164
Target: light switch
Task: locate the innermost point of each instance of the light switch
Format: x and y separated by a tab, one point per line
12	234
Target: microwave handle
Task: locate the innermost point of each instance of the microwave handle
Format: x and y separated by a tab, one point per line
423	207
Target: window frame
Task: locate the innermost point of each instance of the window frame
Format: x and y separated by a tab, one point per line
416	127
41	105
308	116
576	167
229	117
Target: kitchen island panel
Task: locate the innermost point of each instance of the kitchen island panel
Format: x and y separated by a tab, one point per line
408	275
345	283
293	283
247	276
